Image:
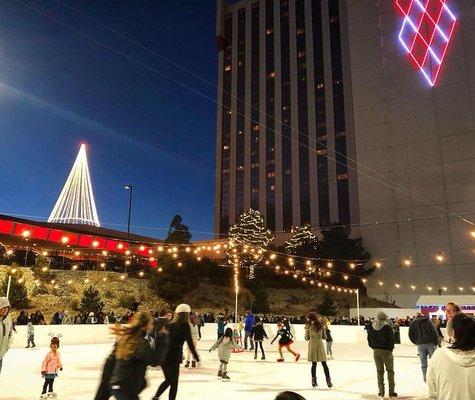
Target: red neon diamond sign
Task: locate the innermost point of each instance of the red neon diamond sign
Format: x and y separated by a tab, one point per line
425	34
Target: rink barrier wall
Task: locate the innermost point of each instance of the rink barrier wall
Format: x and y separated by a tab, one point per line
101	334
390	312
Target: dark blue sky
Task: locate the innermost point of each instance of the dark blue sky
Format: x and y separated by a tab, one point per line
57	89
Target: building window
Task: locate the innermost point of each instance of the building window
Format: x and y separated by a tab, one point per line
342	176
301	54
271	174
269	31
255	128
270	75
227	68
255	190
322	152
255	165
300	31
272	187
340	134
226	147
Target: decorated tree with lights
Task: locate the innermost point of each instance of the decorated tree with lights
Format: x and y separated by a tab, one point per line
18	295
303	242
91	301
248	241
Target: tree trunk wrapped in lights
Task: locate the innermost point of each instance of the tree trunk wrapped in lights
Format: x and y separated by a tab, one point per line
248	240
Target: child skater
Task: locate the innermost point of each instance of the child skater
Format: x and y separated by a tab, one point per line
195	334
225	346
258	334
30	336
49	369
284	341
329	340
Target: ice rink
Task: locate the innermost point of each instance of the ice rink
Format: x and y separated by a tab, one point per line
352	371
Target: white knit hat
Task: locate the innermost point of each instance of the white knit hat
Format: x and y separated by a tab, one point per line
183	308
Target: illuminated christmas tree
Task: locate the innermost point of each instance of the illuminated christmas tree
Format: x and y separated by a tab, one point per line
303	242
248	240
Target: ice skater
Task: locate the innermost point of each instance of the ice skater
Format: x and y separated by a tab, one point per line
225	345
258	334
221	325
30	335
284	341
329	340
49	369
195	335
314	335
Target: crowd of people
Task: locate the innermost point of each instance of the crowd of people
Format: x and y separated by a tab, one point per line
156	339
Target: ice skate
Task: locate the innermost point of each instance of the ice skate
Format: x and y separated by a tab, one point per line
314	382
381	395
263	357
43	396
220	374
392	396
187	364
193	364
280	360
52	396
329	383
255	356
297	357
225	377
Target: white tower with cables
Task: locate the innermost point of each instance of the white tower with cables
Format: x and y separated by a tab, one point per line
76	204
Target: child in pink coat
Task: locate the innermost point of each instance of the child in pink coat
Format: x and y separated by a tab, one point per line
49	368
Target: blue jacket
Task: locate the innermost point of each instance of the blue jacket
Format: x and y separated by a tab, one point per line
248	323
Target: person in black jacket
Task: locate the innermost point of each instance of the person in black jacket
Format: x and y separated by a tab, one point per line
133	355
422	333
179	333
258	334
381	340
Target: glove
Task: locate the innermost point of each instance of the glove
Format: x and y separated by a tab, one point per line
210	350
43	373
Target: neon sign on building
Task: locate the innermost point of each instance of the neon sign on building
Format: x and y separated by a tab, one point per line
426	33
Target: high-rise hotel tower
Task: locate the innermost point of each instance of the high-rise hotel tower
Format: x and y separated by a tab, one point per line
284	120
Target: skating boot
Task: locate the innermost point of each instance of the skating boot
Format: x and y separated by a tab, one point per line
314	382
187	364
329	383
193	364
263	357
225	377
255	356
43	396
280	360
220	374
392	396
27	347
52	396
297	357
381	395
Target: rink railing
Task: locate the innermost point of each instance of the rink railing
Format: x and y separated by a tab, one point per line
100	334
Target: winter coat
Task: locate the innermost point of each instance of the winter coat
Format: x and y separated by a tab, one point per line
328	334
248	323
129	373
258	333
52	363
195	333
451	375
31	329
6	328
380	336
422	331
67	320
22	319
225	346
316	350
179	333
221	325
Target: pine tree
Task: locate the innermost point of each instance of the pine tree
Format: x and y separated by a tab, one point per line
41	269
91	301
18	295
261	298
327	307
178	232
303	242
248	240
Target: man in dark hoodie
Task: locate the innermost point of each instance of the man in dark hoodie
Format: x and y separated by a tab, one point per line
381	340
422	333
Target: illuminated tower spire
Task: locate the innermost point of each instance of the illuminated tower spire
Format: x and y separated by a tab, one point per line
76	204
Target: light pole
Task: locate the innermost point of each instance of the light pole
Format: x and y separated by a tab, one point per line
130	188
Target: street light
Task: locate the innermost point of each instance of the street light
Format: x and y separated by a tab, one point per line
130	188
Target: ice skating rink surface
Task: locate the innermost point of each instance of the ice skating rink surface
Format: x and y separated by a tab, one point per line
352	371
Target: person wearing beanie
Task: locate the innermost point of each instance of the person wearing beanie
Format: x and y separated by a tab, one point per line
6	328
381	340
179	333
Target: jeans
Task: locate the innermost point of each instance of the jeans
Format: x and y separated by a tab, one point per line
31	340
121	394
424	351
171	373
247	335
48	384
384	358
329	348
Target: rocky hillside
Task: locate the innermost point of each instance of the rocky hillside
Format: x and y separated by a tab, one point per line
63	290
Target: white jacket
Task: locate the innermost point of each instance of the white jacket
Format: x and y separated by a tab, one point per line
195	333
451	375
6	328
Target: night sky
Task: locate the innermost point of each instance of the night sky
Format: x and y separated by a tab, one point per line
58	89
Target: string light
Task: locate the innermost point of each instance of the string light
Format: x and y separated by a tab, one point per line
377	264
413	287
352	265
407	262
141	273
461	288
473	234
64	239
440	257
122	277
429	288
330	265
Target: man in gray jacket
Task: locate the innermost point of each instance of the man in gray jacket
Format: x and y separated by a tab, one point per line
6	328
